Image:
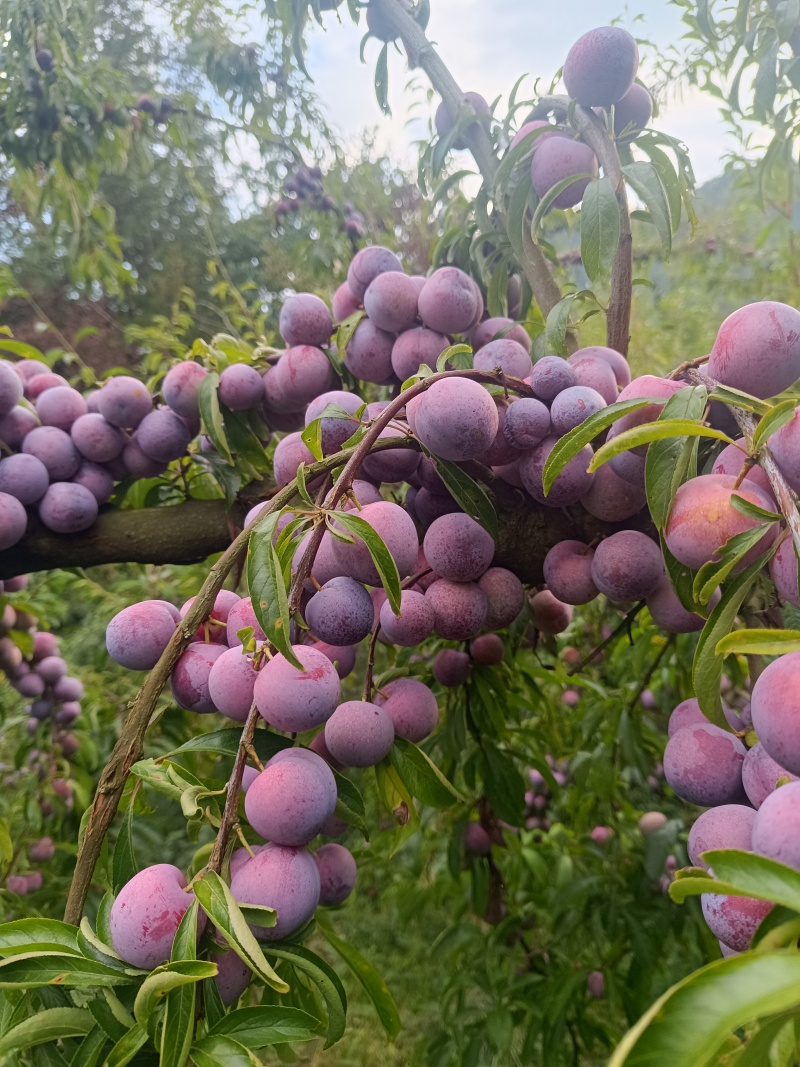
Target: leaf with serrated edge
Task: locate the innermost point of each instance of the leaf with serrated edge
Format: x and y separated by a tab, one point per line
218	903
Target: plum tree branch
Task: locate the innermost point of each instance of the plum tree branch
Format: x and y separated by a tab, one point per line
230	812
422	54
594	133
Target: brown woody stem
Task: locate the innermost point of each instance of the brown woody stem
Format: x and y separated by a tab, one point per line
230	813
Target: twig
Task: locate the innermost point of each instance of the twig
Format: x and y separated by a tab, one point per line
230	813
611	637
405	584
651	671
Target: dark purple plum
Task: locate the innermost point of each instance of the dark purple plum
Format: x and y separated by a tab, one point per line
460	609
359	734
505	597
413	625
55	449
488	649
527	423
458	548
11	387
593	371
60	407
67	507
340	613
24	477
414	347
600	66
305	320
451	667
303	372
334	431
124	402
550	375
97	440
181	388
16	425
627	566
337	874
511	357
568	572
632	113
231	682
549	614
611	498
369	353
456	419
241	388
396	528
572	483
494	329
445	122
557	158
412	708
96	479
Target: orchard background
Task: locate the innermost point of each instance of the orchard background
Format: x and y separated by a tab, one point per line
398	518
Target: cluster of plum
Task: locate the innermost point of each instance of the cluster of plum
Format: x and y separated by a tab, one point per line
539	798
67	450
40	677
38	852
752	795
304	188
289	802
599	73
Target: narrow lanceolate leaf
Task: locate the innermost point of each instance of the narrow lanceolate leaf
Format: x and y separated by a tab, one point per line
711	575
177	1029
381	556
769	424
267	589
29	935
48	1025
471	497
326	980
551	196
90	1050
452	353
266	1025
735	398
644	179
568	446
669	463
372	982
123	863
743	874
222	1051
218	903
211	415
690	1023
126	1048
557	325
422	777
599	228
166	978
350	804
707	666
759	643
504	785
653	431
753	511
32	969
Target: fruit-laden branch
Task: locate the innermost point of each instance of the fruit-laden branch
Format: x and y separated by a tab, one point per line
422	54
594	133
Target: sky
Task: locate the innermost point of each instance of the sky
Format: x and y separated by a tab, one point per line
488	44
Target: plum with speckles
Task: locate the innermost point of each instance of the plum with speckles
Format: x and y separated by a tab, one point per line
340	613
760	775
68	507
550	375
628	565
505	597
146	914
459	608
190	675
337	874
231	682
549	614
458	548
775	707
734	920
413	625
359	733
295	700
527	423
568	572
305	320
757	349
488	649
292	798
286	879
412	707
726	826
703	765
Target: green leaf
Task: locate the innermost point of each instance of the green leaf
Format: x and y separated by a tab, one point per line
123	862
381	556
373	984
267	590
266	1025
689	1023
707	666
644	179
177	1030
753	511
211	415
557	325
166	978
599	228
544	205
326	980
88	1053
471	497
32	969
516	223
743	874
382	80
711	575
42	935
221	1051
6	844
226	743
48	1025
127	1047
568	446
769	424
450	353
504	785
735	398
350	804
670	462
218	903
422	777
652	431
759	643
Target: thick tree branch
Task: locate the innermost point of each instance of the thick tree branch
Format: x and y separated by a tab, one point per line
422	54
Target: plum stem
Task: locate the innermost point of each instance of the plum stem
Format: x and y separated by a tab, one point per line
230	813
